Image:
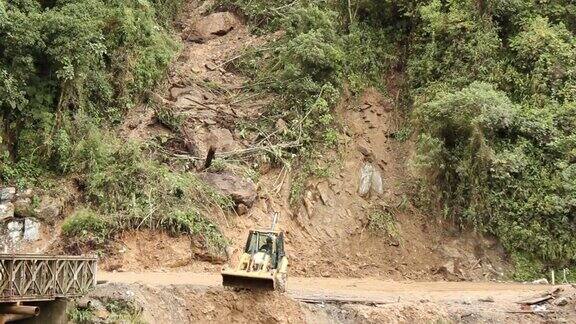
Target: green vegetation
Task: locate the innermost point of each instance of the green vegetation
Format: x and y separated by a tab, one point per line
135	192
490	86
64	57
70	71
119	311
492	90
381	220
80	316
124	311
496	112
307	68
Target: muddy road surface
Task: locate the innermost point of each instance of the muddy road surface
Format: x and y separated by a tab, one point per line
373	290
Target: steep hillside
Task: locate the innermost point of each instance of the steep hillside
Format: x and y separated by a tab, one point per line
422	140
332	230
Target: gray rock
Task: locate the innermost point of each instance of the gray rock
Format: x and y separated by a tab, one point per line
562	301
24	194
7	194
370	181
6	210
241	190
23	207
49	210
214	25
31	230
448	268
15	229
365	179
377	186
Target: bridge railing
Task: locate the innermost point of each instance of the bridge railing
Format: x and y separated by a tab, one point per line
42	277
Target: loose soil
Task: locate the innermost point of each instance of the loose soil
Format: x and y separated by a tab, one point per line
328	235
196	297
327	232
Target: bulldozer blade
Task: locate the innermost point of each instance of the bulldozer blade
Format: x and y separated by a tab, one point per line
248	282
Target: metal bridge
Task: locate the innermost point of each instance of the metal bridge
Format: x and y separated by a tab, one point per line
36	277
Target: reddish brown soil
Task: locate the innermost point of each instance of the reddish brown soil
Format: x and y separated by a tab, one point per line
193	297
330	239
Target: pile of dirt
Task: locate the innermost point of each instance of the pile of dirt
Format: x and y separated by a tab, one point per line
183	304
148	250
197	304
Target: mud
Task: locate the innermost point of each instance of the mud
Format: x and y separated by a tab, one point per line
190	297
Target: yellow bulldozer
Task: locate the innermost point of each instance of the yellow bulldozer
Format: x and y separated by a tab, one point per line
263	264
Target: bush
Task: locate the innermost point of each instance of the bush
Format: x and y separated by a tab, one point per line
133	191
497	166
137	192
307	68
88	226
493	86
382	220
94	56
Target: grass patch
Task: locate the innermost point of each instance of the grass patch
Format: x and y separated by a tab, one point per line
122	311
134	191
80	316
381	220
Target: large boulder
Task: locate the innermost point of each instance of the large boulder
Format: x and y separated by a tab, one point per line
213	25
6	211
370	181
31	229
7	194
49	209
241	190
23	207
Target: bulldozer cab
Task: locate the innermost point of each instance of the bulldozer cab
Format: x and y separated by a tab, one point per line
268	242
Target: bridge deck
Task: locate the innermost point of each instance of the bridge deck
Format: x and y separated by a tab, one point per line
33	277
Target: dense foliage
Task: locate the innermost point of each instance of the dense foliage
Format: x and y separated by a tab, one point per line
491	88
69	71
61	57
494	86
308	66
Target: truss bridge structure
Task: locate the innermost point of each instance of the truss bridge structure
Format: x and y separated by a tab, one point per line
37	277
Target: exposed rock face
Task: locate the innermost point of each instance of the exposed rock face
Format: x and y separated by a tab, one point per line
213	25
49	210
6	210
241	190
17	230
31	229
370	181
7	194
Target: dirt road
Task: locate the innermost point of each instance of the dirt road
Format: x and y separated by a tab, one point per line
361	300
359	289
